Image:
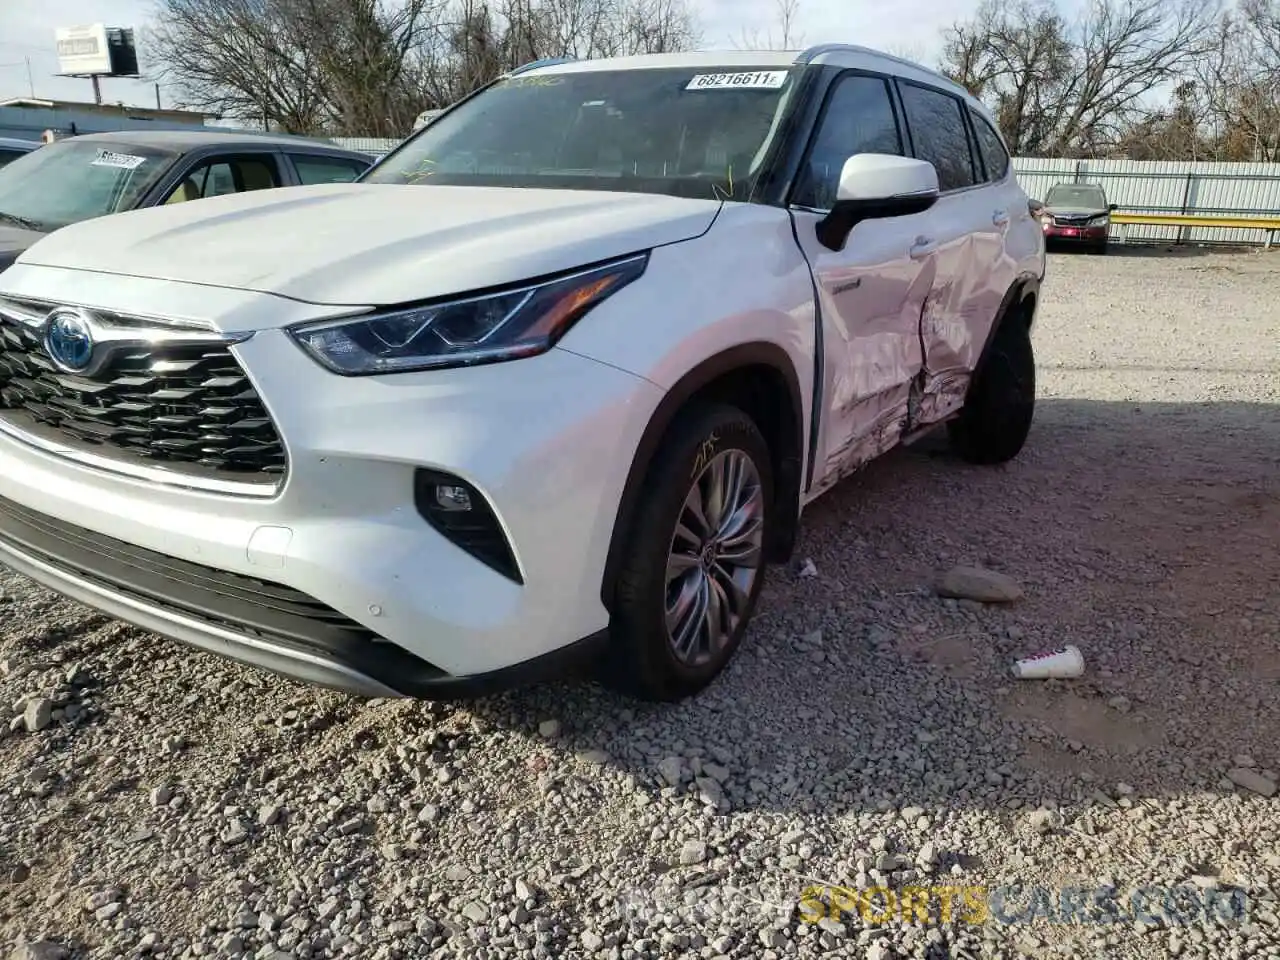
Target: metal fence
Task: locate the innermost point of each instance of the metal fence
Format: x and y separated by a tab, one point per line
1137	186
1221	189
371	145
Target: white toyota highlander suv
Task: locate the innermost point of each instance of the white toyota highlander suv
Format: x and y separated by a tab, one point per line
553	380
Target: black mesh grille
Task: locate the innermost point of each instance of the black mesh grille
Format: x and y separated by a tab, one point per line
183	406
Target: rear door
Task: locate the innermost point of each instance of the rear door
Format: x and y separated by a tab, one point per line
869	294
1017	235
961	227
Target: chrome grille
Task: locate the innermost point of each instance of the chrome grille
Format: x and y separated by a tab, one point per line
167	397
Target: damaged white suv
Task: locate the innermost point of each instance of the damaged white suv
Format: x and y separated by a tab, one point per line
553	380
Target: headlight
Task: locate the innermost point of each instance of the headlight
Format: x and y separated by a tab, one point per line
480	329
1102	221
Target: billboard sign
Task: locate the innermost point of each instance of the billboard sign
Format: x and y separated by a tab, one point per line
83	51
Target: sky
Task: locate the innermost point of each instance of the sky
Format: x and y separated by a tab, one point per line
905	27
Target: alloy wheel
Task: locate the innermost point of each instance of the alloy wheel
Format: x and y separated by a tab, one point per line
715	557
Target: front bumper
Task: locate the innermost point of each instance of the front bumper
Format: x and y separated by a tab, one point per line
1059	234
253	622
338	579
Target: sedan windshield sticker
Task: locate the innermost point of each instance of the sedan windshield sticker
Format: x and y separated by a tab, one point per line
125	161
752	80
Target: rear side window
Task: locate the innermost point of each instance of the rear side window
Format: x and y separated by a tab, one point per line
6	156
859	118
994	156
313	169
937	129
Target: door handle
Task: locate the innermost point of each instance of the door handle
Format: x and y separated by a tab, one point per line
923	247
1000	218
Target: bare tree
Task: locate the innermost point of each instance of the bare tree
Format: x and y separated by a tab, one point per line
1068	88
239	59
786	16
367	67
1239	84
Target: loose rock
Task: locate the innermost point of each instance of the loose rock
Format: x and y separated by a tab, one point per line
976	583
1252	780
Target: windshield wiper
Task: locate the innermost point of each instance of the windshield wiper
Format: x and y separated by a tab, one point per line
22	221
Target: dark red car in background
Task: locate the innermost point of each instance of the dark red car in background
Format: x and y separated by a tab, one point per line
1077	214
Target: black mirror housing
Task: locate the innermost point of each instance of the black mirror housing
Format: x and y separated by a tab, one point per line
833	230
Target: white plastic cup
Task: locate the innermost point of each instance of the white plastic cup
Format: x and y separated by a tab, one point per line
1067	662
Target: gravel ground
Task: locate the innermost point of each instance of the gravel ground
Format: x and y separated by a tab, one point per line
869	735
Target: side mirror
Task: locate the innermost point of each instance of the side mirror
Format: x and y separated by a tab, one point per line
874	186
1113	207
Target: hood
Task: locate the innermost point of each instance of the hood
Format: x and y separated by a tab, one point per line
1070	211
373	244
14	240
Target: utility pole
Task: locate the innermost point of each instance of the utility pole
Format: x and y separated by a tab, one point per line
158	96
31	84
97	90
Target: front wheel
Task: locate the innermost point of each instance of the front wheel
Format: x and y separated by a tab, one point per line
997	414
695	565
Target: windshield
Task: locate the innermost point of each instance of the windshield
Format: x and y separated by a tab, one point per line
683	132
70	180
1084	195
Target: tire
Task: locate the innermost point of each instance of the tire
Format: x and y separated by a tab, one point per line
646	658
996	418
1101	249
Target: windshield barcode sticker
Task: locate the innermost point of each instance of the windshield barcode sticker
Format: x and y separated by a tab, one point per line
125	161
753	80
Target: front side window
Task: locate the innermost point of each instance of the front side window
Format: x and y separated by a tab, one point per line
678	131
73	180
938	131
222	175
858	119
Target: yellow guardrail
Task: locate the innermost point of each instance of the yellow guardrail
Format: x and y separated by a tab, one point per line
1269	224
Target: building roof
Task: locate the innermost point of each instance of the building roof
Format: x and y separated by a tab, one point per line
36	103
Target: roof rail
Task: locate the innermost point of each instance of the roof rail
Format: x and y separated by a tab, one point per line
811	54
817	50
547	62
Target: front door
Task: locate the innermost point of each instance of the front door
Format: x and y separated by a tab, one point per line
870	294
220	174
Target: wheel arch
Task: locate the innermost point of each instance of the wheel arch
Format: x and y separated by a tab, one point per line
758	377
1019	304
